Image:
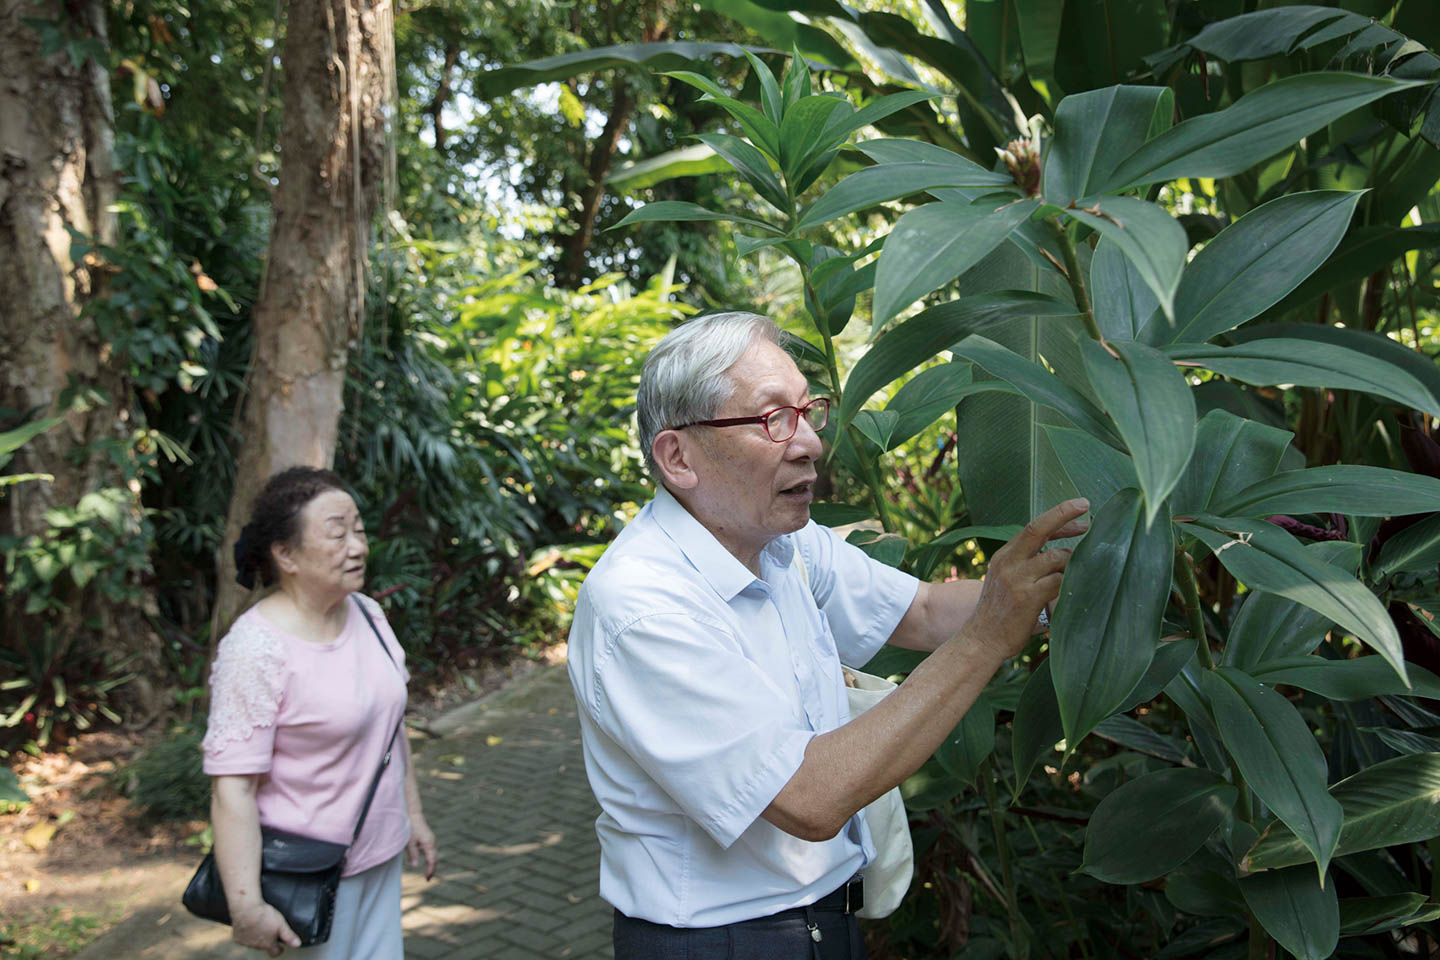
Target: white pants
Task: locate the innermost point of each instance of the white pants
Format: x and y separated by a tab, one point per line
367	917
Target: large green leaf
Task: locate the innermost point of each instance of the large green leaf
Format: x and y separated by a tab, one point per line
930	554
1205	886
1417	547
678	210
1363	251
1272	33
1297	909
1423	368
1122	303
692	161
1264	557
1358	679
970	743
1151	825
1270	627
1362	916
1343	488
1097	469
1037	383
1107	618
1256	261
1308	363
656	57
802	127
1149	238
929	396
1134	735
1038	23
750	164
1278	755
12	440
1255	127
10	790
842	125
1390	803
1172	656
889	181
924	335
1106	40
784	32
1152	408
933	244
1094	131
1036	727
1231	453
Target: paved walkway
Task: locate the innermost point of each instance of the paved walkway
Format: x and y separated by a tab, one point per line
505	791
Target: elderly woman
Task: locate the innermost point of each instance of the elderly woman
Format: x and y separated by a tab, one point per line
307	690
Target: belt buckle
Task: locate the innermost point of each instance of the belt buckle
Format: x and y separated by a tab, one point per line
854	894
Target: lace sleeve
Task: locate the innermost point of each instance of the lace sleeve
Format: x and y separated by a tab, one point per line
247	681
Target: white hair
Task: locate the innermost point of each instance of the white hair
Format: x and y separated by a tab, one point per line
686	376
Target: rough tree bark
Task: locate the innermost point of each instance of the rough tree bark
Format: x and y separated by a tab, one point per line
56	138
338	68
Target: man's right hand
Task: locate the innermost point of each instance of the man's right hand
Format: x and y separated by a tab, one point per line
262	927
1022	579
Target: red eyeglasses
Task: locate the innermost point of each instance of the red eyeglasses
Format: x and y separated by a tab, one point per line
781	423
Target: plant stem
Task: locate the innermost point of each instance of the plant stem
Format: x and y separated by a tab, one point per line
1020	941
1190	590
1076	279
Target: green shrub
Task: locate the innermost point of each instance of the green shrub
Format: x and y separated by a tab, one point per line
166	779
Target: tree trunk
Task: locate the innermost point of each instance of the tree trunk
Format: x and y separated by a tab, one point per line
56	139
338	69
443	92
602	155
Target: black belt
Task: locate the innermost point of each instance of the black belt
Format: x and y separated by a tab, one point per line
846	899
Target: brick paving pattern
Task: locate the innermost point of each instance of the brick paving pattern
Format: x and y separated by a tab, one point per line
505	791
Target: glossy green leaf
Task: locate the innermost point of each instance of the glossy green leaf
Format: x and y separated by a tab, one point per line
930	395
1362	916
1231	453
1270	627
1270	33
842	125
1278	755
1096	130
931	554
1171	656
1417	547
1406	742
1134	735
889	181
1308	363
935	243
1343	488
1151	825
771	99
1264	557
970	743
1151	239
1364	250
10	790
677	210
1390	803
761	130
656	57
1421	367
1205	886
1036	727
1357	679
1037	383
921	337
1106	622
12	440
1296	909
888	548
838	514
1038	23
750	164
1106	41
1257	126
1152	408
692	161
1255	261
1097	469
1122	303
801	129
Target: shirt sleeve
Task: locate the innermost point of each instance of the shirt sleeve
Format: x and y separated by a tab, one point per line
702	720
247	683
863	599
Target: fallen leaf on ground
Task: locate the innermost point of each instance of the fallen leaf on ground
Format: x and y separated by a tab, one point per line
493	741
38	837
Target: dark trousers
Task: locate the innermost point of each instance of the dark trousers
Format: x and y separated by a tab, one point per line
784	936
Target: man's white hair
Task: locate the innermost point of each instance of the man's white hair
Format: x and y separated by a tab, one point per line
686	377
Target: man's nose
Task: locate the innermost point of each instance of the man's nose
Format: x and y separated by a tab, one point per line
806	444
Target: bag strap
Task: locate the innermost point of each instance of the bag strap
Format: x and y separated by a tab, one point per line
385	760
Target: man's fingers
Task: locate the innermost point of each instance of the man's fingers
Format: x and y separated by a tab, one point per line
1051	561
1048	525
286	935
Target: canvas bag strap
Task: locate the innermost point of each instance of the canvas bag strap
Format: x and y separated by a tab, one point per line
385	760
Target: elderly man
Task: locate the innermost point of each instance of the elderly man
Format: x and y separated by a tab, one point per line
706	659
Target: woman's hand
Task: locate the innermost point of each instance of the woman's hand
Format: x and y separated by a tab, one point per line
422	843
262	927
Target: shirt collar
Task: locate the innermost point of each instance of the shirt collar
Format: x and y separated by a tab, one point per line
726	575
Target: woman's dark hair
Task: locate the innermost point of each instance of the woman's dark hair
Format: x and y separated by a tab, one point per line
275	518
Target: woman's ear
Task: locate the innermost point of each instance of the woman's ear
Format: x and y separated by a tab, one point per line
283	555
675	455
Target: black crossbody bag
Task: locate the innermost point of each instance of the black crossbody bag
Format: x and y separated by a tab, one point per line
298	875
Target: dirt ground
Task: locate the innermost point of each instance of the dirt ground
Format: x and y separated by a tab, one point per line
79	846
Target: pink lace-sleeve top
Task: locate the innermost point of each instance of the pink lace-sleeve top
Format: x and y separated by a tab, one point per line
312	720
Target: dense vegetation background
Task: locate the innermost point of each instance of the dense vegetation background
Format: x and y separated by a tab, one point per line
1255	201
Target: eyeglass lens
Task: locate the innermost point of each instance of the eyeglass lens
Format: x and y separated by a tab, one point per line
783	423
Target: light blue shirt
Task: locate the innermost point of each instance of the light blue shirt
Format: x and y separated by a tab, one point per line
699	687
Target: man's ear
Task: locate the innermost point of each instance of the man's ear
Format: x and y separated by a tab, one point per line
675	458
